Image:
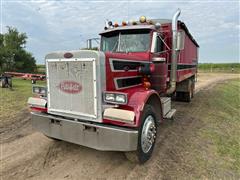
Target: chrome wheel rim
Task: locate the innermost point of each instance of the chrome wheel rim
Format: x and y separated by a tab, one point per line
148	134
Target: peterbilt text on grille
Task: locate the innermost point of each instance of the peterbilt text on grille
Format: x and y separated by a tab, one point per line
115	99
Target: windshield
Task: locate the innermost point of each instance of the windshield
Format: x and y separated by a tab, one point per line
125	41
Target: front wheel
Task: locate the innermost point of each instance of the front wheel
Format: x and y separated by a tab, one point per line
146	137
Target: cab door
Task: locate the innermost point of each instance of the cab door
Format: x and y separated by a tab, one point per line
159	56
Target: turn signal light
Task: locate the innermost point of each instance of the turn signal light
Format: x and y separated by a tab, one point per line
146	83
115	24
143	19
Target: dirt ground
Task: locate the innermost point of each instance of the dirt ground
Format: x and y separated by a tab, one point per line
27	154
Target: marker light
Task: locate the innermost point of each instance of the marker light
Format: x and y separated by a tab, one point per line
134	23
143	19
115	24
150	22
124	23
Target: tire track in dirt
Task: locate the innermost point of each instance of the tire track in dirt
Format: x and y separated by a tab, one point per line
173	132
17	128
166	154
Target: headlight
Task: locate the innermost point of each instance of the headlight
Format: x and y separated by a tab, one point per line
109	97
36	90
39	90
120	98
115	98
42	91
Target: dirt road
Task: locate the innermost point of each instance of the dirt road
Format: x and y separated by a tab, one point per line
27	154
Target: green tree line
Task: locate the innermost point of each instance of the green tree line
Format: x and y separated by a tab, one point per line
219	67
13	55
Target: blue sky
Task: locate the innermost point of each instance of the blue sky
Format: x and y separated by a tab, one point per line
65	25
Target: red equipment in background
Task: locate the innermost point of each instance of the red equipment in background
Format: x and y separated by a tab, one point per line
28	76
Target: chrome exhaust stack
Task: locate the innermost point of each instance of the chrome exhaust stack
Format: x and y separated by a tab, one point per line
173	73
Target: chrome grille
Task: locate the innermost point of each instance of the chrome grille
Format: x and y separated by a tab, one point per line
72	87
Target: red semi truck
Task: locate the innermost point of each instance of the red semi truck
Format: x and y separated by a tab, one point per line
114	99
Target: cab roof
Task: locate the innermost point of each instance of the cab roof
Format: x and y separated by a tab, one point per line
151	26
128	27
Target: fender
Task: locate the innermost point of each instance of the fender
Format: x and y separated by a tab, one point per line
137	98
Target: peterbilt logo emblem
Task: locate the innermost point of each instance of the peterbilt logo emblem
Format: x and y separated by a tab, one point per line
70	87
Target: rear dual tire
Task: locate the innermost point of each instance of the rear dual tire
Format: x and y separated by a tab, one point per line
146	137
187	95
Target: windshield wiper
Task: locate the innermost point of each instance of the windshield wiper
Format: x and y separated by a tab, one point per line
114	46
123	41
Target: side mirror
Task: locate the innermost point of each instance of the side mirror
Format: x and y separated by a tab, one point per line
154	39
180	40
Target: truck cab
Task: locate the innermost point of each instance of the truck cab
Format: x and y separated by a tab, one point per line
114	99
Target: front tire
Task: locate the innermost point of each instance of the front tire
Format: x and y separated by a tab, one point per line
146	137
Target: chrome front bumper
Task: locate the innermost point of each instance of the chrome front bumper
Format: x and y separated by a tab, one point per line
97	136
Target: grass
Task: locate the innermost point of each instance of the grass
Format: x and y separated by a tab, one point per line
218	140
14	101
226	105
